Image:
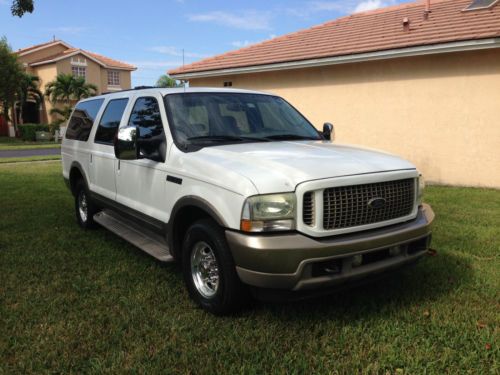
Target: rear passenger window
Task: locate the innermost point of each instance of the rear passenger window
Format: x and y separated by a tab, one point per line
110	121
83	118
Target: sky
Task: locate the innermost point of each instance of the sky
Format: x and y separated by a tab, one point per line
152	34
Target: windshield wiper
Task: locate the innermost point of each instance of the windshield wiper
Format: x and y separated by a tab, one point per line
283	137
230	138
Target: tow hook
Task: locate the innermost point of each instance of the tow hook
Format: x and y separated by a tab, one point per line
431	252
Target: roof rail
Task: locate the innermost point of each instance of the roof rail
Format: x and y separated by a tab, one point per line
134	89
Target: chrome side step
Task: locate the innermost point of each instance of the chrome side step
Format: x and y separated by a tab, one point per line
142	238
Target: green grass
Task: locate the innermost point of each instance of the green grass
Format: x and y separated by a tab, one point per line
8	143
25	159
75	301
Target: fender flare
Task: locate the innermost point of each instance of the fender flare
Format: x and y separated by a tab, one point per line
192	201
77	165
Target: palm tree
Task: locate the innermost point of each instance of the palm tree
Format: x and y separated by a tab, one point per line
66	89
28	90
166	81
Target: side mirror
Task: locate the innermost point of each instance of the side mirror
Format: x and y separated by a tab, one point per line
328	131
126	143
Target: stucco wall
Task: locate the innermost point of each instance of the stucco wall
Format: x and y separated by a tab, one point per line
46	74
93	73
442	112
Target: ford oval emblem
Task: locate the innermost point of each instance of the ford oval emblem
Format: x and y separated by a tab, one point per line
376	203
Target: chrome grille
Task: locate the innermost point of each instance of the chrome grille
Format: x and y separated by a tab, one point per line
308	208
347	206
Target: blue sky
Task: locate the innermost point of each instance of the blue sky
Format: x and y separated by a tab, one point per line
151	34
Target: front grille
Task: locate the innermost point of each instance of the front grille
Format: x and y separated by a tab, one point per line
308	208
347	206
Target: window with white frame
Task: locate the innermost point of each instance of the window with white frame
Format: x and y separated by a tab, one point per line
113	78
79	71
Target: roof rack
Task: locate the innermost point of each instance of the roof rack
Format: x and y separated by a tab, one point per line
133	89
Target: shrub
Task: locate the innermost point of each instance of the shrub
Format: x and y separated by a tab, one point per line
28	131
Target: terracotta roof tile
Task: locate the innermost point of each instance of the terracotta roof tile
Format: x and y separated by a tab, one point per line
110	62
102	59
26	49
377	30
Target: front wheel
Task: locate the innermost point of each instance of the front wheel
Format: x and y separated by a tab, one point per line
209	270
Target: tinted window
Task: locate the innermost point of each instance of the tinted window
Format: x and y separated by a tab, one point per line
110	121
203	119
146	115
83	118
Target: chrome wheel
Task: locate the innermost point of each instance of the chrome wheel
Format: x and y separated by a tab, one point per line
204	269
82	206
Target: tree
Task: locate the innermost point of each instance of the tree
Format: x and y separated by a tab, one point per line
65	89
166	81
19	7
11	74
28	90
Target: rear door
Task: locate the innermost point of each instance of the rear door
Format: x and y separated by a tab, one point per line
103	161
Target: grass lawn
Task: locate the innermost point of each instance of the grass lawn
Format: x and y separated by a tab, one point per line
75	301
8	143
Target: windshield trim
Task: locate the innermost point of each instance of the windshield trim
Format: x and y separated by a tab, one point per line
193	147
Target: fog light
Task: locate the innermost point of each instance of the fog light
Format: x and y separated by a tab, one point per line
394	251
357	260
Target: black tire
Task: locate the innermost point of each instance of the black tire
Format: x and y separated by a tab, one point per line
81	196
230	295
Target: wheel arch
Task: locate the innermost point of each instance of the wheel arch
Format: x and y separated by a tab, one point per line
185	212
76	172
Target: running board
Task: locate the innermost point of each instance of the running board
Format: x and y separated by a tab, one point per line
142	238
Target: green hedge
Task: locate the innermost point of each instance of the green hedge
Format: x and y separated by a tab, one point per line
28	131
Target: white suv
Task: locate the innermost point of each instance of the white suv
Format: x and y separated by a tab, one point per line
242	191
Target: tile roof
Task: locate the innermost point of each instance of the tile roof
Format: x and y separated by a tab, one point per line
106	61
370	31
102	59
26	49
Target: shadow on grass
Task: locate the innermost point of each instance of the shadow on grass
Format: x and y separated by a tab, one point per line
428	280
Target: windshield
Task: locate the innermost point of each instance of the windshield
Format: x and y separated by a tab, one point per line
205	119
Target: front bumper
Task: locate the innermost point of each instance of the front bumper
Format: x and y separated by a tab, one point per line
297	262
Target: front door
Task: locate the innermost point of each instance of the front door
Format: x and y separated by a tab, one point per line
141	184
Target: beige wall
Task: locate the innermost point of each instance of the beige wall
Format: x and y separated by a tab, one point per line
442	112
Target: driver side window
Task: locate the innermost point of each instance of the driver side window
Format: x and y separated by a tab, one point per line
146	116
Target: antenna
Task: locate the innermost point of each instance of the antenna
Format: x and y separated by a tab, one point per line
183	82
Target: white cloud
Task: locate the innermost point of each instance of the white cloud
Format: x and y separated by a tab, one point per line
318	6
154	64
68	30
369	5
246	43
242	43
173	51
249	20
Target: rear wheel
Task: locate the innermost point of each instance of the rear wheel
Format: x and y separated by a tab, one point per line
209	270
85	209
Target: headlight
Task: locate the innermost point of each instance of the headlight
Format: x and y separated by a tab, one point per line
421	188
264	213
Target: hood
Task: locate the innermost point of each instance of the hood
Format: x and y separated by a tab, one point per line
281	166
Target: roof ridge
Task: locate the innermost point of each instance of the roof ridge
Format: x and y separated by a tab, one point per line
21	50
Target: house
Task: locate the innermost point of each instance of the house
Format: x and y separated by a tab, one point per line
421	80
47	60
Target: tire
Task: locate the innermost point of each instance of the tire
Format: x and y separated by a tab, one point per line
209	270
85	209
